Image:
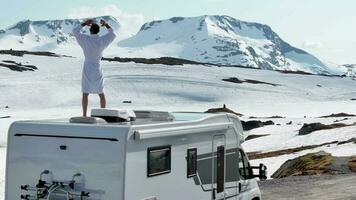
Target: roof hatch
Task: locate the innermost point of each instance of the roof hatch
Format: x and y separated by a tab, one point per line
114	115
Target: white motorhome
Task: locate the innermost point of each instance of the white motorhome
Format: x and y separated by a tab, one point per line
137	155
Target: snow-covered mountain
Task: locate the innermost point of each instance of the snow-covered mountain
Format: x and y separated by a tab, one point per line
350	70
224	40
48	35
214	39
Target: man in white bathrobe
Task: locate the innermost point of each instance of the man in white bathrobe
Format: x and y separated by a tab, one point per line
93	46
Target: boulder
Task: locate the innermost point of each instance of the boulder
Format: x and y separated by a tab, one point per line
269	122
223	109
249	125
309	128
309	164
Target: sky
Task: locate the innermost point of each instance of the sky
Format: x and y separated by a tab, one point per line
325	28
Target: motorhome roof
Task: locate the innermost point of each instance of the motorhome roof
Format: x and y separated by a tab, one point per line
178	116
183	123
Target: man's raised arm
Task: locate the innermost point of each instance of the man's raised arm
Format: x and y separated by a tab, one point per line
76	31
110	36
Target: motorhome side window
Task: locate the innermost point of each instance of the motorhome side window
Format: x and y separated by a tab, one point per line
158	160
244	166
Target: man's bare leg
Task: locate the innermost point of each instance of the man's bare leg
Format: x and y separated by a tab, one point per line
102	100
85	104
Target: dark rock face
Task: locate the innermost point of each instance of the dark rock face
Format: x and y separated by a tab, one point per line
233	80
14	66
249	125
227	47
309	128
23	27
352	140
176	19
237	80
5	117
201	25
339	115
267	123
340	120
149	25
37	53
222	110
251	137
161	60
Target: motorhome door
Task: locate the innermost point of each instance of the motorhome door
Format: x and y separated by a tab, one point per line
218	166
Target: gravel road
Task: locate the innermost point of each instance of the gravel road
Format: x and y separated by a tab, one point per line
340	187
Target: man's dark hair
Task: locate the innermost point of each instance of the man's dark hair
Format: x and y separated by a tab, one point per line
94	29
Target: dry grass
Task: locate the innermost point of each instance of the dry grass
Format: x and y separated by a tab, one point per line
312	164
309	164
258	155
352	164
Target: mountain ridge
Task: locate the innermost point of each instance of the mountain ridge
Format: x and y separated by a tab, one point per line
217	39
231	41
46	35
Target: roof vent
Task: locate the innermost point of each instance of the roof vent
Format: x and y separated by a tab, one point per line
154	115
87	120
113	115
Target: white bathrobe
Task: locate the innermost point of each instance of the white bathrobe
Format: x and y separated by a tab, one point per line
93	47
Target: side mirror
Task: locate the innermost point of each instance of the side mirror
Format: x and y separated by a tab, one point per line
262	172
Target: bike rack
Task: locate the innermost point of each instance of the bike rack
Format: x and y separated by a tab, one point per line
44	190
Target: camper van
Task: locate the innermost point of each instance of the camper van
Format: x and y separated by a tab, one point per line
131	155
